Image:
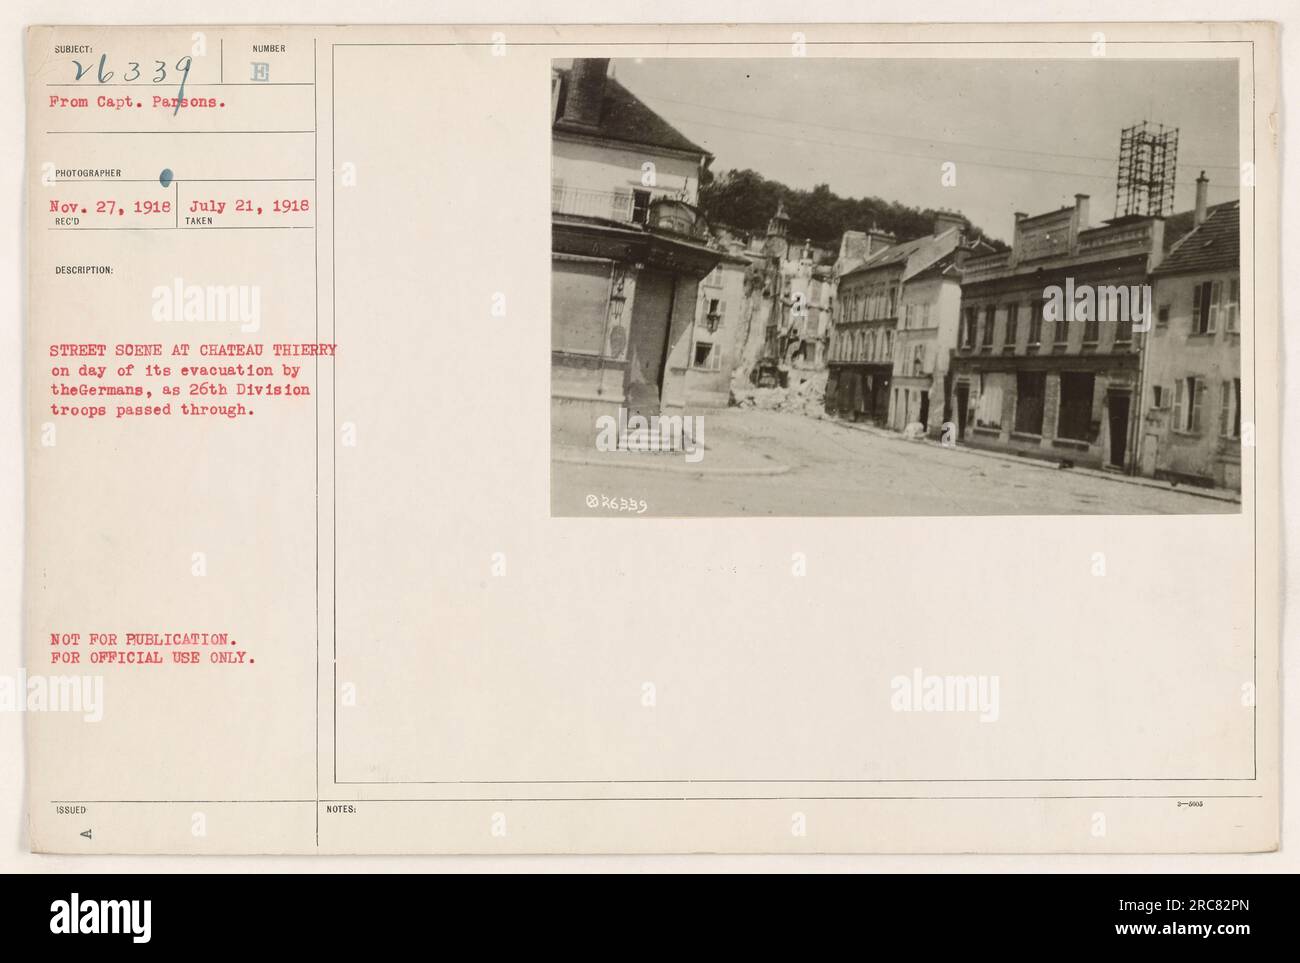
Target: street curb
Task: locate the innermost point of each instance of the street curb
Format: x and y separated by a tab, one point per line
1209	493
650	465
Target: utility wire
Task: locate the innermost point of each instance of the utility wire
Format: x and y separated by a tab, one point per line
1187	165
1110	178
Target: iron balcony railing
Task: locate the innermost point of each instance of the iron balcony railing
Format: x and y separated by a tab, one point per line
631	206
612	205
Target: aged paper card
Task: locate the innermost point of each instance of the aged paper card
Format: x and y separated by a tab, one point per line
653	439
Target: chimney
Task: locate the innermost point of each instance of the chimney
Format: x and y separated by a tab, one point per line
1202	189
878	240
1080	212
853	244
1015	237
944	220
586	93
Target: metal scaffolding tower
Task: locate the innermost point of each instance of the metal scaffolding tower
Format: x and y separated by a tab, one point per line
1148	164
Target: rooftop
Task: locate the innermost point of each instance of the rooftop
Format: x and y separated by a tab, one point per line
1215	244
623	117
915	255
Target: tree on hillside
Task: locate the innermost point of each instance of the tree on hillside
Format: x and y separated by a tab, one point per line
744	200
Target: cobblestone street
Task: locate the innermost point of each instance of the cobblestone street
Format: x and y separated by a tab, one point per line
835	469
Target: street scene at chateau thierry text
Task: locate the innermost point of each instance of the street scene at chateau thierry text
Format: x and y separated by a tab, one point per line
821	286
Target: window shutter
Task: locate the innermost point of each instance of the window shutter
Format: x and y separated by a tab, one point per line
1196	309
1225	409
1216	291
1234	305
1178	405
1198	398
621	208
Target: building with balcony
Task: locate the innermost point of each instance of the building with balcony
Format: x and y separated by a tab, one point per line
1048	362
1191	403
628	251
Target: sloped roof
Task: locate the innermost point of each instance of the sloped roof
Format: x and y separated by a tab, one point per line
623	117
915	255
945	267
1176	225
1214	245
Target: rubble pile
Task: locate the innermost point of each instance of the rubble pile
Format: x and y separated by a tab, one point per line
806	397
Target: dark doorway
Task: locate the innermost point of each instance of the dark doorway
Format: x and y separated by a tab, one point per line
963	399
1075	420
1118	407
879	403
651	328
1031	388
925	410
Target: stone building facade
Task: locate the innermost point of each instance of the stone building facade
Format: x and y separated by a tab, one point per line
1191	427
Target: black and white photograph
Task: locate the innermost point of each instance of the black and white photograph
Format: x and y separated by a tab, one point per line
890	287
942	352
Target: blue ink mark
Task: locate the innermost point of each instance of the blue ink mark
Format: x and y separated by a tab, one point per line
180	94
165	178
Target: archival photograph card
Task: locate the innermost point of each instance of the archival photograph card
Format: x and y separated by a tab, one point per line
652	439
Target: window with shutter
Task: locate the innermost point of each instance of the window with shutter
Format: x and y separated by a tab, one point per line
1196	389
1092	330
1231	323
1216	291
1230	409
621	205
1179	405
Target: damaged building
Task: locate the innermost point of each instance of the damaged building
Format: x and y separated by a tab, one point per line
628	252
